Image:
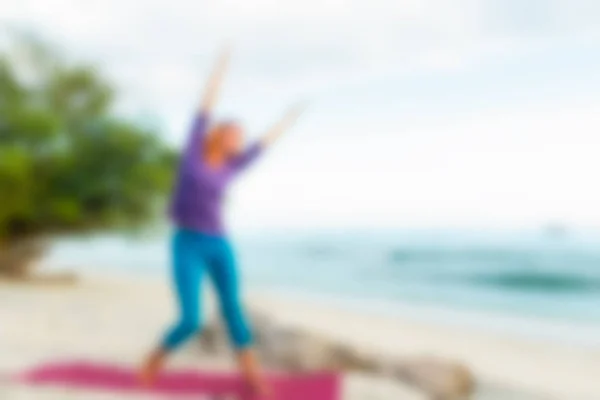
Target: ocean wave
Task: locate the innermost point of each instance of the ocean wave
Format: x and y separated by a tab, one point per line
546	281
452	255
516	270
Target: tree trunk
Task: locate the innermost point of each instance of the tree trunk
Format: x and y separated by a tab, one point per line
18	258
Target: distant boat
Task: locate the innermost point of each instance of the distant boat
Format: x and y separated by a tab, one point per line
555	230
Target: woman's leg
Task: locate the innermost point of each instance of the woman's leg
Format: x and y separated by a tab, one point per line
187	273
223	272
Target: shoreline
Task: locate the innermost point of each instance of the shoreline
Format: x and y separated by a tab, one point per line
100	317
551	330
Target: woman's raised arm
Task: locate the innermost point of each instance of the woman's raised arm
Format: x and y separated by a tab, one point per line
200	123
213	87
283	125
254	150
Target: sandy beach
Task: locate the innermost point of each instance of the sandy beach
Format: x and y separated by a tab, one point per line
119	319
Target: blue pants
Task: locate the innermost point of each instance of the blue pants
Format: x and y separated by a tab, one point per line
194	254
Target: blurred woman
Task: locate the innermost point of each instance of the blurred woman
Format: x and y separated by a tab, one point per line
213	156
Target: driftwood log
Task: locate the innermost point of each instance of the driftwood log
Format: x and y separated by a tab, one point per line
18	258
290	349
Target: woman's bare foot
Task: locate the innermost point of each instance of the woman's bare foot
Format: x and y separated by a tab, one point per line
151	368
251	371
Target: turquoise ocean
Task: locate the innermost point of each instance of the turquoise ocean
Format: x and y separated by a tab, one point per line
545	285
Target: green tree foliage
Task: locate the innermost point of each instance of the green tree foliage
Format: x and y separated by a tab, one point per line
68	163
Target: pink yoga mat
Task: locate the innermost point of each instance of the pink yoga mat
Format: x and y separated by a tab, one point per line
97	376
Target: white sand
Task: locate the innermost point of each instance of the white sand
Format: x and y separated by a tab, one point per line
108	321
120	320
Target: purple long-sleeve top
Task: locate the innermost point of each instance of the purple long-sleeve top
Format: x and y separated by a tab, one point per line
200	189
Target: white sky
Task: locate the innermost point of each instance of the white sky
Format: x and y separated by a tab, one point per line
424	112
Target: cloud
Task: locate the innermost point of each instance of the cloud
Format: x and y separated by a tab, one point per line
159	52
541	18
495	166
